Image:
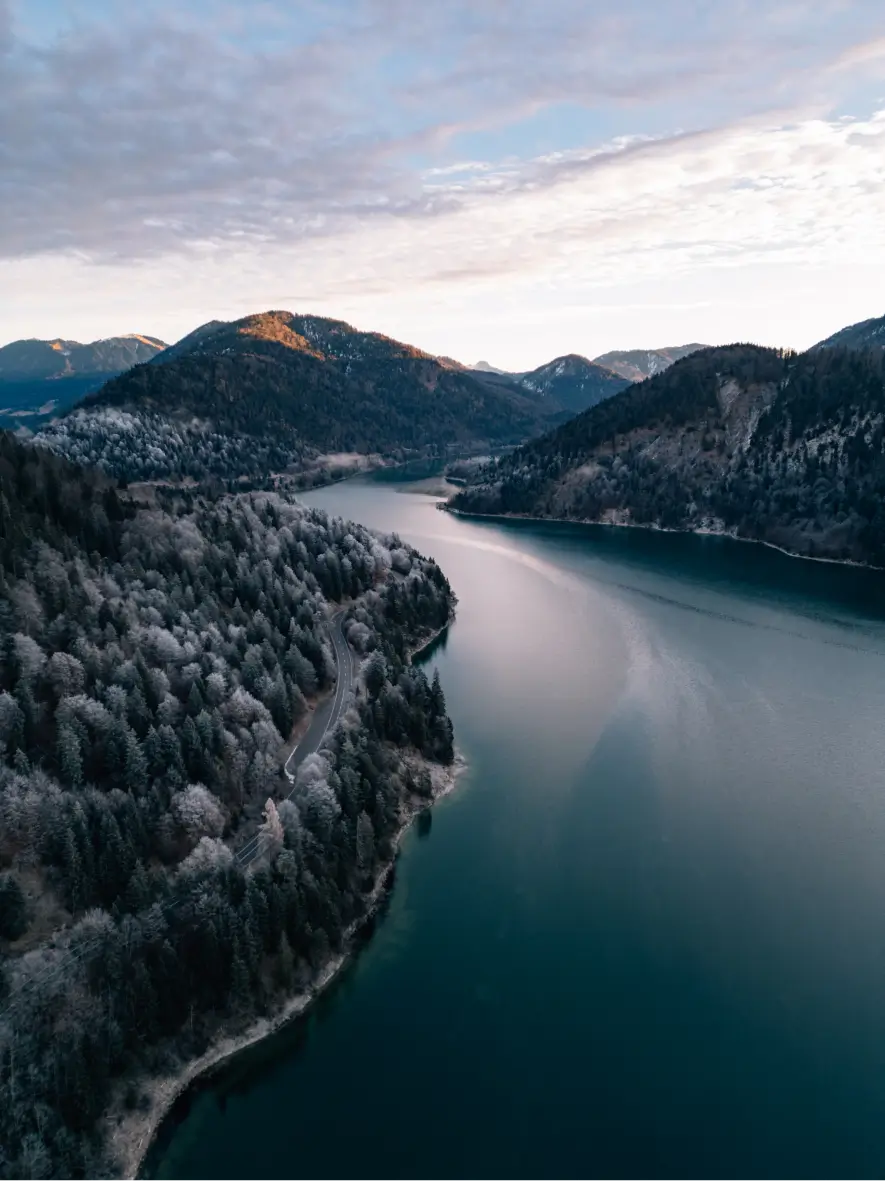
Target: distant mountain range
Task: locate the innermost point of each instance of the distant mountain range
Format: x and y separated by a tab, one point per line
572	383
339	388
561	388
759	443
638	364
41	377
283	392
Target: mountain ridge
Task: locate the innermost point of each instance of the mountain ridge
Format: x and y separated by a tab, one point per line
638	364
299	387
573	382
865	334
762	443
56	358
41	377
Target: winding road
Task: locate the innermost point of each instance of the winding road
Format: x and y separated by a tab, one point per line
325	717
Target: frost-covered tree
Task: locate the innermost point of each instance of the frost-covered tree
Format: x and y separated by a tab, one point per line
271	832
150	661
198	812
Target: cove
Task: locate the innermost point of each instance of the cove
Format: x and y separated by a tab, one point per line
646	935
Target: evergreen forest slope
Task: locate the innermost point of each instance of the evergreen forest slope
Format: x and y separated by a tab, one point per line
757	442
303	385
867	334
154	660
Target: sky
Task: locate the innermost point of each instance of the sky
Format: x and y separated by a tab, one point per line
506	180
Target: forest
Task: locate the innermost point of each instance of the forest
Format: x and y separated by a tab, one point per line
155	658
765	444
142	447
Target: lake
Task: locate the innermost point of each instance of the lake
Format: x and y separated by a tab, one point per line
646	935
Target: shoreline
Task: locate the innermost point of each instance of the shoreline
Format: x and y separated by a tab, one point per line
700	532
132	1134
411	653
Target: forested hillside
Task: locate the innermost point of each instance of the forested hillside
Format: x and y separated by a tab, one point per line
304	385
768	445
867	334
153	662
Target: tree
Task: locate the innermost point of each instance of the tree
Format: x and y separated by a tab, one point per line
135	766
365	844
12	722
13	919
271	831
375	674
198	812
70	758
66	675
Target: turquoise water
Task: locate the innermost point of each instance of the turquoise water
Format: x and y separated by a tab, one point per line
646	936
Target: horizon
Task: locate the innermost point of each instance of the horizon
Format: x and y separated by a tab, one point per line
470	364
484	181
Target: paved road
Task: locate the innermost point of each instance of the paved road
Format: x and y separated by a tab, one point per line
325	718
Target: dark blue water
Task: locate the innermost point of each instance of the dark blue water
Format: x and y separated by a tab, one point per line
646	937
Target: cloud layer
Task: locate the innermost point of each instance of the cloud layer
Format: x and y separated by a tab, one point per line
141	134
331	149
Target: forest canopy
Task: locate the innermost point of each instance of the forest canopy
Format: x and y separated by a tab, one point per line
154	660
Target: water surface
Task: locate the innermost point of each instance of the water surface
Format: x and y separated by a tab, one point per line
646	937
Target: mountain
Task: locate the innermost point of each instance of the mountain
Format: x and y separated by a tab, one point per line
190	342
39	377
572	383
559	389
866	334
759	443
280	389
36	359
638	364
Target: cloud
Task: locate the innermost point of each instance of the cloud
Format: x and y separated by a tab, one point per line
145	133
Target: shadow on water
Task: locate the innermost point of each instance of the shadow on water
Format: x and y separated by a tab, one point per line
436	645
237	1075
648	940
827	591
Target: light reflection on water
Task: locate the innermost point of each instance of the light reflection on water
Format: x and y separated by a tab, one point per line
647	935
